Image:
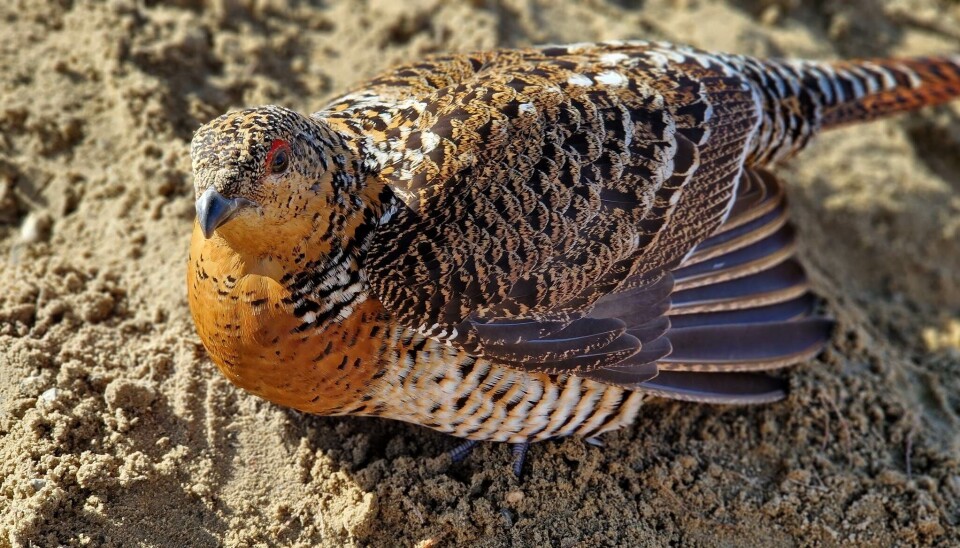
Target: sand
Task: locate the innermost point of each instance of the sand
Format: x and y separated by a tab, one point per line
116	430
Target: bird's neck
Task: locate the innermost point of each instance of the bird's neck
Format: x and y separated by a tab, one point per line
275	339
379	134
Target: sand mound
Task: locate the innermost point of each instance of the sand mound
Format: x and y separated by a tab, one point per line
115	430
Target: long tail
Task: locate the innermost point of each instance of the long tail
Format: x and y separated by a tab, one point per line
803	97
890	86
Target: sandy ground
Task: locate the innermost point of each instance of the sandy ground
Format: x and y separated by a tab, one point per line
115	429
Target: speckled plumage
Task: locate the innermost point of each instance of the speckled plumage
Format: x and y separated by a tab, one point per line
524	244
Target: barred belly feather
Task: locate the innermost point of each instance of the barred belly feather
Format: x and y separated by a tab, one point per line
448	390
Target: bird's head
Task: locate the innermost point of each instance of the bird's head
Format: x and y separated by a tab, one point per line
268	178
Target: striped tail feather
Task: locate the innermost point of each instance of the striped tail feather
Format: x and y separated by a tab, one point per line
738	306
882	87
801	98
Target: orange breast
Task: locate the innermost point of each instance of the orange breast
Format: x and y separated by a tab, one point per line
248	330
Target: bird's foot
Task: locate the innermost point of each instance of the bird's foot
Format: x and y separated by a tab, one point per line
519	451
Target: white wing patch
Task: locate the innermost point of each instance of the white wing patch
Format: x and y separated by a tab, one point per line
577	79
613	58
612	78
430	140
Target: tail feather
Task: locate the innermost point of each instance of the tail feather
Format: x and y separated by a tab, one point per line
892	86
801	98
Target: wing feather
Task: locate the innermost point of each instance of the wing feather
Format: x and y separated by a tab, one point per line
556	213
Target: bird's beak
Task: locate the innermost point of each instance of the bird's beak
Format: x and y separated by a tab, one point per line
213	210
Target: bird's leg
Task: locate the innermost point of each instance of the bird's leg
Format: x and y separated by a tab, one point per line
519	455
462	451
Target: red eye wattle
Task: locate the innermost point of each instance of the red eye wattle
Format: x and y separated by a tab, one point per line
278	159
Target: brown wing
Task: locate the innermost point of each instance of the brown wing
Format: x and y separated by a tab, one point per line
738	305
539	182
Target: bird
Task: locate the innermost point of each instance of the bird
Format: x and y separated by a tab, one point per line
520	245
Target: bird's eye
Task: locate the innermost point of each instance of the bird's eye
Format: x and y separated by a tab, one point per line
278	159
